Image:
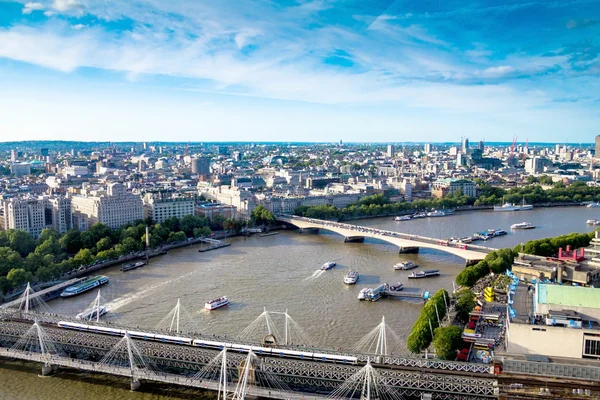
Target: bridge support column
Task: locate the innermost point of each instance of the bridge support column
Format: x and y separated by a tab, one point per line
313	231
405	250
468	263
47	369
354	239
135	385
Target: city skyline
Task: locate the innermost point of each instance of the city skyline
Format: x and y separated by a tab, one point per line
299	71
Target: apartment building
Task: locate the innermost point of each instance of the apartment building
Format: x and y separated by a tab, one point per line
162	205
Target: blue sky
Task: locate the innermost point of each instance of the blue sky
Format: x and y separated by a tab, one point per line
300	70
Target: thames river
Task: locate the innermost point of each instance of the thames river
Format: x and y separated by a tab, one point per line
279	272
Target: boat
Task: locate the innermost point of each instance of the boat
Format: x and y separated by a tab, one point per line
128	267
327	265
513	207
268	234
216	303
500	232
90	313
419	215
397	287
362	295
593	205
84	286
466	239
405	265
448	211
403	218
435	213
424	274
351	277
522	225
593	222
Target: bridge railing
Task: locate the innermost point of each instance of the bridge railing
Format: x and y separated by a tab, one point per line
383	232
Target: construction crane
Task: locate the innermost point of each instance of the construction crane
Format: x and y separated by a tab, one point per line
512	151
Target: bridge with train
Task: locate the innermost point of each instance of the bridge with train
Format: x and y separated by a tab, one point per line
406	242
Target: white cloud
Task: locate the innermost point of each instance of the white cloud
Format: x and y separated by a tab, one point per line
242	38
28	8
67	6
49	13
78	26
497	72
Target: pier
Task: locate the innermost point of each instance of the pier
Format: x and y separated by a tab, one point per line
214	244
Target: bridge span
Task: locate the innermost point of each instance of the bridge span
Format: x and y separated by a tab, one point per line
406	242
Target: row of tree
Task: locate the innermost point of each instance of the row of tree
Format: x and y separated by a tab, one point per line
534	194
422	331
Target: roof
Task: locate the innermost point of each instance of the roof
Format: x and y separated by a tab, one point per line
570	296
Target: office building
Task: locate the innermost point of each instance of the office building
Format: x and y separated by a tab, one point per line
20	169
201	166
465	146
162	205
597	148
115	207
444	187
427	148
390	150
33	214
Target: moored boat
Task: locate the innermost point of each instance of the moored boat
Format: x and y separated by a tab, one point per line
522	225
448	211
362	295
351	277
216	303
128	267
593	205
435	213
593	221
397	287
513	207
405	265
419	215
84	286
92	313
328	265
424	274
403	218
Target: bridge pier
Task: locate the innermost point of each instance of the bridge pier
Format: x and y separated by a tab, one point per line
468	263
135	385
354	239
312	231
47	369
408	250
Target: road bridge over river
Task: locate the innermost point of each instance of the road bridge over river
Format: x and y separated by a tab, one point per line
406	242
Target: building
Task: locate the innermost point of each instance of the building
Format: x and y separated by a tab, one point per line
162	205
115	207
20	169
555	321
535	165
481	146
427	148
33	214
465	146
449	186
390	150
201	166
597	148
211	210
75	170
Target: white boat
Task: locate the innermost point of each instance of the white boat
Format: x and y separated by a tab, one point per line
424	274
351	277
128	267
90	313
397	287
522	225
513	207
405	265
216	303
420	215
593	222
403	218
593	205
84	286
362	295
435	213
328	265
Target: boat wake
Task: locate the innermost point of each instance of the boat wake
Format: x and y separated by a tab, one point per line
315	275
128	299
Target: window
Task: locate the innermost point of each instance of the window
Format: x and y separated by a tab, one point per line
591	347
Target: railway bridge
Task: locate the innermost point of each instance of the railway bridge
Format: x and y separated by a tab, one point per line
406	242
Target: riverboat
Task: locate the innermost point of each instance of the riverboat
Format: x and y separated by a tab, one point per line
435	213
129	267
593	205
327	265
362	295
405	265
419	215
92	313
216	303
403	218
522	225
84	286
593	222
513	207
351	277
424	274
397	287
448	211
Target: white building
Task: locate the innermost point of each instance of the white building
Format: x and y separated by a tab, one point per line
34	214
20	169
115	207
160	206
75	170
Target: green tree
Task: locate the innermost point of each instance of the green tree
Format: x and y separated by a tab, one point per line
465	303
83	257
104	244
446	341
48	233
50	246
21	242
18	277
71	241
176	237
261	216
204	231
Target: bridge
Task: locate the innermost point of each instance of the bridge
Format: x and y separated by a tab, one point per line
406	242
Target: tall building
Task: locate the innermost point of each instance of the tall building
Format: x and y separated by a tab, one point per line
427	148
13	155
201	166
390	150
115	207
20	169
597	149
481	146
44	152
33	214
162	205
465	146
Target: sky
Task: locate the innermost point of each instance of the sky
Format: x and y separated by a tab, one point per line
300	70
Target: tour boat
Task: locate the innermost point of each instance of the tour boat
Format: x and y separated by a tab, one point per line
397	287
362	295
403	218
499	232
424	274
351	277
448	211
128	267
435	213
327	265
90	313
84	286
513	207
593	222
593	205
405	265
522	225
419	215
216	303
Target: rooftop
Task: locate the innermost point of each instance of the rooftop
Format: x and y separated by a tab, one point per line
569	296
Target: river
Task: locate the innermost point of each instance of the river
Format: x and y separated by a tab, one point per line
280	272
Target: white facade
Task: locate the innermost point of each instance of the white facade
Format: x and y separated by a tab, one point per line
75	170
34	214
115	208
21	169
160	208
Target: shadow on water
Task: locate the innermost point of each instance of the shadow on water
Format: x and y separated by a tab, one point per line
368	279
